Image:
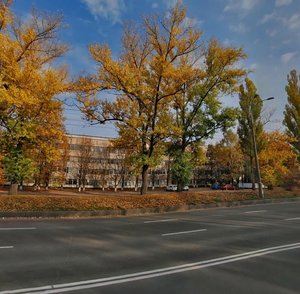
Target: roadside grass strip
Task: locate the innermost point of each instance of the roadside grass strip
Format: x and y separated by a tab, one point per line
88	284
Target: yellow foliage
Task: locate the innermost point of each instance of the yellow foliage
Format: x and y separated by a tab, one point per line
277	159
30	111
156	61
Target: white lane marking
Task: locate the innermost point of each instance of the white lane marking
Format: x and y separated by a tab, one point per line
59	288
293	218
161	220
6	247
184	232
255	211
12	229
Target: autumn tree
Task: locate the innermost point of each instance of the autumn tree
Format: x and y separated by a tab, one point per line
118	167
28	83
226	158
278	161
199	157
51	136
61	165
101	165
84	160
292	109
151	69
250	118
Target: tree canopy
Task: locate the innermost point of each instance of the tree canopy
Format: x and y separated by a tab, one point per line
30	114
158	62
152	68
292	109
278	160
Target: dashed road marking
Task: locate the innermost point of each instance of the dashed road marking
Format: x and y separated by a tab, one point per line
184	232
292	219
15	229
6	247
161	221
255	211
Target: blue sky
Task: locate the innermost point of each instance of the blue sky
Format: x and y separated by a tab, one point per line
267	30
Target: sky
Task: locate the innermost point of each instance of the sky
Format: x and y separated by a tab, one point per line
267	30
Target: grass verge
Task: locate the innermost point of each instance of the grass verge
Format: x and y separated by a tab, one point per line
87	202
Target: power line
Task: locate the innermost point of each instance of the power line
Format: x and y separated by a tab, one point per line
89	126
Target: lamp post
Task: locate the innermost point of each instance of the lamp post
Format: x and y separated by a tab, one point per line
260	185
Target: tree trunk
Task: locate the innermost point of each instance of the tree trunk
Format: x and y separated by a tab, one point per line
144	188
136	186
179	186
13	189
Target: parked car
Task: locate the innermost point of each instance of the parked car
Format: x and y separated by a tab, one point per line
249	186
215	186
171	188
185	188
174	188
228	187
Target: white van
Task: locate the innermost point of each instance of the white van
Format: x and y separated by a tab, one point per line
249	186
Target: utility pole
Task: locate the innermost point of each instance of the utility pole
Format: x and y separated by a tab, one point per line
260	185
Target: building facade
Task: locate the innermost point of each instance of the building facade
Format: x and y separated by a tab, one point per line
93	162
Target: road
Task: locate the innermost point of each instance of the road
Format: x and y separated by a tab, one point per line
249	249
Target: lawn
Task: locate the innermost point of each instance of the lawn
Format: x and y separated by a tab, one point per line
57	200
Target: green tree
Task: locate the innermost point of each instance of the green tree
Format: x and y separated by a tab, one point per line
181	168
292	110
198	110
18	168
250	112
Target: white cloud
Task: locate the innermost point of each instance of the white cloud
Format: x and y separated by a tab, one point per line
109	9
287	57
267	17
293	23
253	66
227	42
279	3
238	28
79	60
241	5
171	3
194	22
272	33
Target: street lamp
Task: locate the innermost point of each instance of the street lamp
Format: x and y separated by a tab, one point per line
260	187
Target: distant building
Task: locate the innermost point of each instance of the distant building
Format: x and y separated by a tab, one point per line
93	162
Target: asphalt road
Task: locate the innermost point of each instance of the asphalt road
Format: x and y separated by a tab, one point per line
250	249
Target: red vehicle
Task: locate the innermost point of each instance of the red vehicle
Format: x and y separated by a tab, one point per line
228	187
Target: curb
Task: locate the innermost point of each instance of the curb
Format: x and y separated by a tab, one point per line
137	211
